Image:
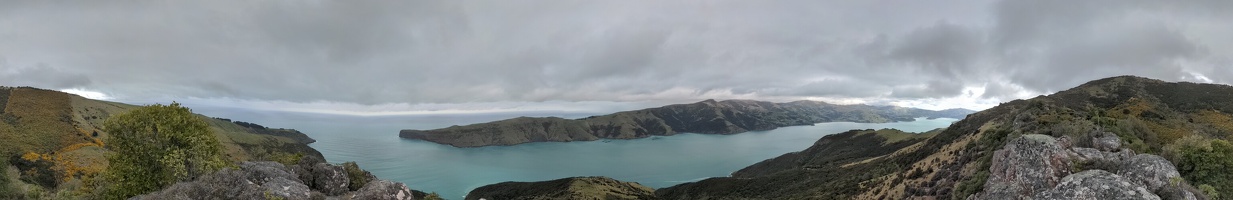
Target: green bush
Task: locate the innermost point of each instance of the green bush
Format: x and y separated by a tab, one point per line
156	146
1209	165
6	188
1210	191
358	176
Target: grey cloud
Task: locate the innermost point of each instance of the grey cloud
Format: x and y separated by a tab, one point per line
41	75
944	49
376	52
932	89
1053	45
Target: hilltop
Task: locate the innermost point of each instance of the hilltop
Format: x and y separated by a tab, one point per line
705	117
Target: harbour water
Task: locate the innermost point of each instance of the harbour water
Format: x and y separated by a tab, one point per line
656	162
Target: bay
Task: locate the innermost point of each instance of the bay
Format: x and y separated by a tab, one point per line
657	162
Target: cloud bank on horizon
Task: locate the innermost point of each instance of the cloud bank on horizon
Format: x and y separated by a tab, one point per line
964	53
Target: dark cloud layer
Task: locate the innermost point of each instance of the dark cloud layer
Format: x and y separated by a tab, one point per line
379	52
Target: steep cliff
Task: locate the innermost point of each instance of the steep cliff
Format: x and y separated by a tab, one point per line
706	117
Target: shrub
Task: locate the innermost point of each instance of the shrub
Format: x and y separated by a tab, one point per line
6	188
1208	165
1209	191
358	176
156	146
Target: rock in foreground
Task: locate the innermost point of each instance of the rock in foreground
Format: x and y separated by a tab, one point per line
271	180
1037	167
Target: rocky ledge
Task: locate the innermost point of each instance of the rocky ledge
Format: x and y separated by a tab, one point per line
1042	167
272	180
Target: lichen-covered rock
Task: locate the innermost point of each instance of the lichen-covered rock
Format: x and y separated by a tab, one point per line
271	180
1178	192
1106	142
286	188
1150	170
1096	185
330	179
1089	158
225	184
263	171
1026	166
384	190
1065	142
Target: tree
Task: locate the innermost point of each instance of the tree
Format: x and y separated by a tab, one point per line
156	146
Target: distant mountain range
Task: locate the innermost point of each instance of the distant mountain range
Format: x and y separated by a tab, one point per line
706	117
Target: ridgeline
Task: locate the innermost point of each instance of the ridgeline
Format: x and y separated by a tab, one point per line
705	117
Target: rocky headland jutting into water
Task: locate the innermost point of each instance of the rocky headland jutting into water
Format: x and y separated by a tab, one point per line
706	117
1115	138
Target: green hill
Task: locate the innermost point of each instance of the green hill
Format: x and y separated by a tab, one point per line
54	140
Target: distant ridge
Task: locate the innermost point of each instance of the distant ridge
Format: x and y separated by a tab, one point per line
706	117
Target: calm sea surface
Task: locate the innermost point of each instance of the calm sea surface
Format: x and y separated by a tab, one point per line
657	162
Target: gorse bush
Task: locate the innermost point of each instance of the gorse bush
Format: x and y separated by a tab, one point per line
156	146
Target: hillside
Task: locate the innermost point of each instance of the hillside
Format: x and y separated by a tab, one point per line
566	188
1147	117
54	142
1115	138
706	117
48	122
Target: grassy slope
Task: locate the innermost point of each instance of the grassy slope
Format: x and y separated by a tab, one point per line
66	131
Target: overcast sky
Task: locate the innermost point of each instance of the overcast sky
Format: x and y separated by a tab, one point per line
421	56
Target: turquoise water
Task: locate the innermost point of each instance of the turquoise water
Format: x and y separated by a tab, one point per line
452	172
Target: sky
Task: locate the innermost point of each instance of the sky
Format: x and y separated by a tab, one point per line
423	57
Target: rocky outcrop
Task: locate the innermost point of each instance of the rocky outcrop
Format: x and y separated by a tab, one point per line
1037	167
330	179
271	180
1026	166
384	190
225	184
566	188
706	117
1095	185
288	188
